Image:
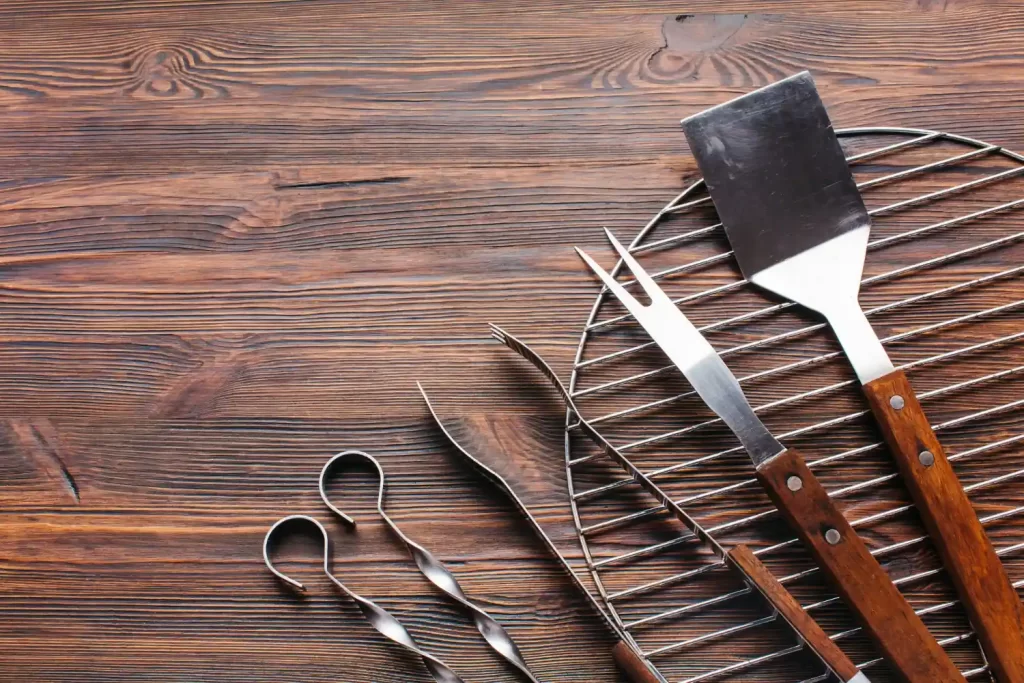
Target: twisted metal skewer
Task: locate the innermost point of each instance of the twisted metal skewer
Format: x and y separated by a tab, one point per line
382	620
510	493
433	569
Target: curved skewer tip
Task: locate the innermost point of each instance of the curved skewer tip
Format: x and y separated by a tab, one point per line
275	529
326	471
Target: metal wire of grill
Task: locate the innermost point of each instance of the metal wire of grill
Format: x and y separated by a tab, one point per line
942	289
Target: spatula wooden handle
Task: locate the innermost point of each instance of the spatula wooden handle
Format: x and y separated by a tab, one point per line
743	559
980	578
867	589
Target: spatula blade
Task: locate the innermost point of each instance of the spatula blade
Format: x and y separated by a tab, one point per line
776	172
790	206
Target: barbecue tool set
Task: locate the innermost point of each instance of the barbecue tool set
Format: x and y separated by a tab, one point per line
799	229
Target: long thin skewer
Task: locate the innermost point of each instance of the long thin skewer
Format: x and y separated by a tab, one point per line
635	656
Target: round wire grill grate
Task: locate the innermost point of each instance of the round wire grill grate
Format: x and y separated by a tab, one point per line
942	289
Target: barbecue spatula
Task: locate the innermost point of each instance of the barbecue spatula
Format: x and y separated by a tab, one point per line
798	228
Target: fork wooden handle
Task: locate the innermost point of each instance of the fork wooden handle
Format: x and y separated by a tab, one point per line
980	578
867	589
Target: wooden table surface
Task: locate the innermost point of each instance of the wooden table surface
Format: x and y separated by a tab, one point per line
234	235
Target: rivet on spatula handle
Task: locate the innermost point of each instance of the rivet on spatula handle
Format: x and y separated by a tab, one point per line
864	585
967	554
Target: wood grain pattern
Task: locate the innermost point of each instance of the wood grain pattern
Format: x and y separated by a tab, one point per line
967	553
235	233
866	588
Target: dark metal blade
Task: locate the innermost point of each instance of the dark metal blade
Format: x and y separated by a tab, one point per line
776	172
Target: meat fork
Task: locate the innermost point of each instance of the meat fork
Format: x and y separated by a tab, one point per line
864	585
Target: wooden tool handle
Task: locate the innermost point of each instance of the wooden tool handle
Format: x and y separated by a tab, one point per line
883	611
743	559
980	578
635	668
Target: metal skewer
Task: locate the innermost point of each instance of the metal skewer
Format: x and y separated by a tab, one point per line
432	568
383	621
627	653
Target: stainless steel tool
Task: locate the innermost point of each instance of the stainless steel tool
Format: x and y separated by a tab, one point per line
944	294
432	568
740	558
796	492
383	621
799	228
626	652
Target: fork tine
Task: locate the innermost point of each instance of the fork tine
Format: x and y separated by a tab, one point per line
654	292
627	299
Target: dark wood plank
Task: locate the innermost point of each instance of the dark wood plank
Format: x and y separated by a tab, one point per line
234	234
